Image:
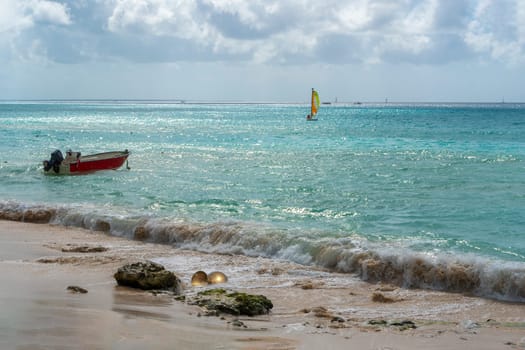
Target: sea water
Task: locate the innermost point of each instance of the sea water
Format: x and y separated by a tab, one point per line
422	195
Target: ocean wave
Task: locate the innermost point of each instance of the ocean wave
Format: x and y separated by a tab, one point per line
372	262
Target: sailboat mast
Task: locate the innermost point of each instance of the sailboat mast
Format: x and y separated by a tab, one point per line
312	104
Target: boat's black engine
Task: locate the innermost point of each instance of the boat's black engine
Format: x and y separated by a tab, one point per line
54	162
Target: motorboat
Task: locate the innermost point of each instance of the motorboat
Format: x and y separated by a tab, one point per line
75	163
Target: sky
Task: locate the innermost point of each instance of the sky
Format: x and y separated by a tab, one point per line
263	50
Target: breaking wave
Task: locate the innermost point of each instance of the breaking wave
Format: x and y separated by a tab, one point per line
370	261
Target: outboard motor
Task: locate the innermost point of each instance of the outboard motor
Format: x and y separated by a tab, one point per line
54	162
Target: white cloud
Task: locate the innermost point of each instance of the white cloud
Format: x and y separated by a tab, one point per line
16	16
159	18
497	29
50	12
277	31
13	18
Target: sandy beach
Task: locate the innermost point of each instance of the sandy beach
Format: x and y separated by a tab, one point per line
313	309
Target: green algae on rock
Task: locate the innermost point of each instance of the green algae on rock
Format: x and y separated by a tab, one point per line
147	275
234	303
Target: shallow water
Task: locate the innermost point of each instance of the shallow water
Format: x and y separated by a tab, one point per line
419	195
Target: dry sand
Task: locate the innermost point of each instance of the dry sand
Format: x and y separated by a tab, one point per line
311	310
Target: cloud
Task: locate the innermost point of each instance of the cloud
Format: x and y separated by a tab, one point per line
16	16
158	18
283	32
306	31
497	29
12	18
50	12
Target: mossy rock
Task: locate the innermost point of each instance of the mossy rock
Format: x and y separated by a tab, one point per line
250	304
233	303
147	275
216	292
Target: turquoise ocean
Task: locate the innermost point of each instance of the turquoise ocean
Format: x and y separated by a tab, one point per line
421	195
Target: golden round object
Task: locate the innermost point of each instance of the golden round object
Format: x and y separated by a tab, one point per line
199	278
217	277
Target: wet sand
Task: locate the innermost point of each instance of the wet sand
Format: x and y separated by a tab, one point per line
313	309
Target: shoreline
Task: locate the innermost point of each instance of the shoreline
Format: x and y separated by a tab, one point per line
312	308
375	263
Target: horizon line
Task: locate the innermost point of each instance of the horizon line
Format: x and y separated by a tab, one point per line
205	101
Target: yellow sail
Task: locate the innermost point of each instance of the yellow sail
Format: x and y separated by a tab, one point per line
315	102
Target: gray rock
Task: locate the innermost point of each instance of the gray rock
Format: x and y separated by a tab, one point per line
234	303
147	276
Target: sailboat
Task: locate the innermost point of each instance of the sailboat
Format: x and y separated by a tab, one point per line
314	106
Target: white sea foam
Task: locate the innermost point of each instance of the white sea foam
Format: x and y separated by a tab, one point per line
354	254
